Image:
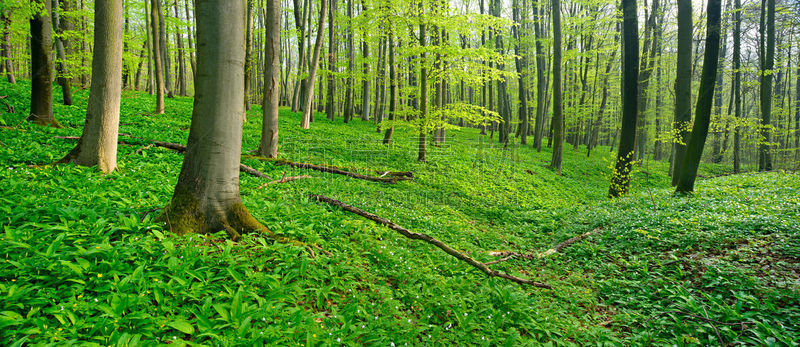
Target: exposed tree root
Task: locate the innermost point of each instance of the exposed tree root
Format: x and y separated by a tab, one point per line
385	176
284	180
507	255
429	239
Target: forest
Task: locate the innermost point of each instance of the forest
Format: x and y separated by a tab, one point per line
385	172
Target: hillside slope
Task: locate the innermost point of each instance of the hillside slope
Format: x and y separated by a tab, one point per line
84	260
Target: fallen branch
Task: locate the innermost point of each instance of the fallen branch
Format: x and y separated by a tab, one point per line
9	107
509	254
284	180
385	176
429	239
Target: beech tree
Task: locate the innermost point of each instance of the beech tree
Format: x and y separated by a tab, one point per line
558	108
272	72
621	177
683	86
158	67
206	197
705	100
98	143
42	66
312	74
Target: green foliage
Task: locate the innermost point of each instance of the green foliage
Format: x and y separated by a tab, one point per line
84	263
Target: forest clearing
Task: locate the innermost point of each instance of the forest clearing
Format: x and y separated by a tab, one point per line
266	172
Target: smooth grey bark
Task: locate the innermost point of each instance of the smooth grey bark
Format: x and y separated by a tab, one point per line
248	54
158	67
162	38
422	151
98	143
206	197
351	57
312	74
181	60
330	107
541	79
683	87
58	26
393	82
523	77
558	111
737	85
621	177
42	67
365	71
705	99
269	129
5	48
765	88
190	37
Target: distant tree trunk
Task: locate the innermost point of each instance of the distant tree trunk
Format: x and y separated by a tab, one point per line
683	86
42	67
330	108
312	74
393	81
705	100
98	143
206	197
158	68
63	80
365	71
718	145
645	71
272	68
604	100
621	177
181	61
558	111
351	57
422	152
737	86
765	88
190	36
162	41
541	79
5	47
248	55
523	76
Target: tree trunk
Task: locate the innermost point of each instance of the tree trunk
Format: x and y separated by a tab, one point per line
558	111
206	197
765	89
683	86
422	152
5	47
162	41
737	86
351	57
190	37
42	68
248	55
705	99
330	107
312	74
59	27
158	68
181	61
98	143
541	79
621	177
523	77
393	81
365	71
272	68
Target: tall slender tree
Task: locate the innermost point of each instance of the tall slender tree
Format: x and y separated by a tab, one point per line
683	87
330	107
558	108
42	66
705	100
98	143
737	84
765	87
269	129
621	178
5	46
158	67
60	27
312	71
206	197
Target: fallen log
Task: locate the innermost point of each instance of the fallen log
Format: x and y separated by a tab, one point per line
429	239
284	180
385	176
509	254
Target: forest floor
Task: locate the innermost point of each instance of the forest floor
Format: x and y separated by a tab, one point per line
84	261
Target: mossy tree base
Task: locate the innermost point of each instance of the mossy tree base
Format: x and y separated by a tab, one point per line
44	121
